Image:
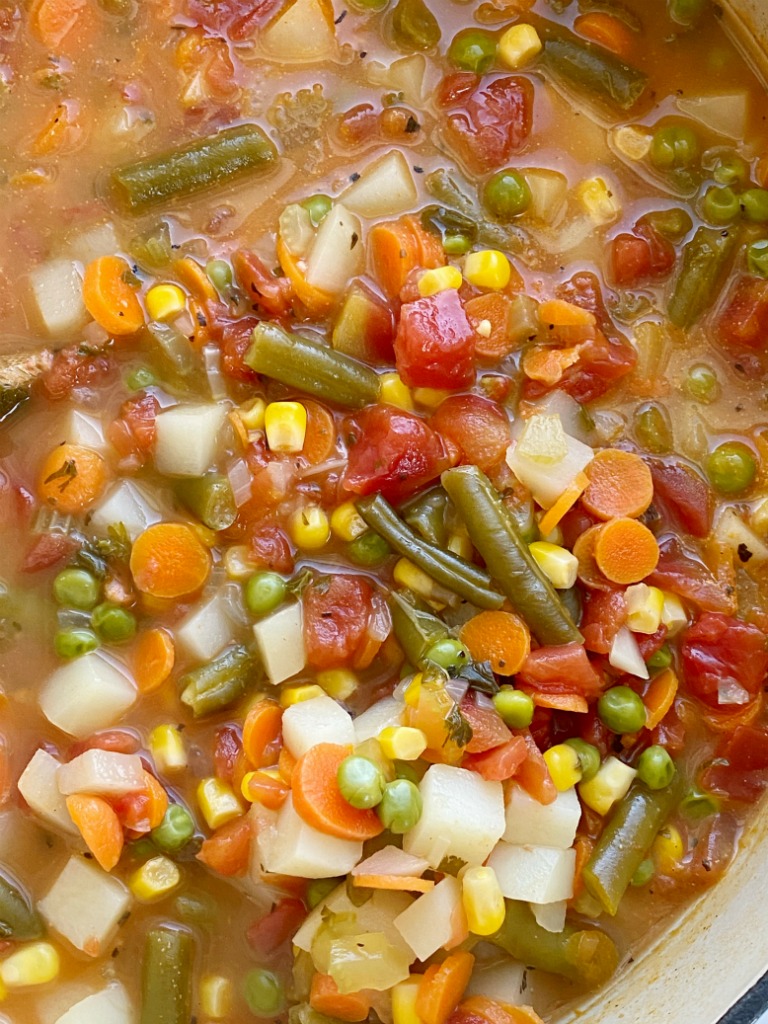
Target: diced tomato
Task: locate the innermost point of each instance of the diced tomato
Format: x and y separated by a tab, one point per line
743	324
477	426
595	732
336	613
47	550
685	575
533	774
227	851
495	123
268	935
720	653
565	669
670	732
119	741
710	855
133	432
456	88
270	548
605	612
391	451
435	343
650	643
741	769
644	254
499	763
227	745
235	341
72	368
238	18
685	494
746	749
488	729
133	810
272	294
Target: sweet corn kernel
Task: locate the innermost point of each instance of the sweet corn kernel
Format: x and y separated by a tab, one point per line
440	279
165	301
412	692
36	963
667	850
488	268
310	528
338	683
237	562
611	783
519	45
252	414
166	744
673	614
563	764
346	522
285	424
411	576
483	900
155	879
430	397
645	606
404	1001
394	392
598	200
402	742
215	996
296	694
218	802
558	564
484	328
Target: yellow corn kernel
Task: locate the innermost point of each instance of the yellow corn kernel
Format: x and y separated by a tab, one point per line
673	614
285	424
338	683
667	850
430	397
487	268
237	562
558	564
563	764
218	802
645	606
483	900
36	963
155	879
441	279
215	994
611	783
600	202
411	576
165	301
412	692
166	744
296	694
394	392
252	414
310	528
402	742
404	1001
346	522
518	46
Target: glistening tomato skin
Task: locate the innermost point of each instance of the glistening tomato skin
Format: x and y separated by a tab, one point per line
336	614
718	649
495	121
743	325
641	255
477	426
435	343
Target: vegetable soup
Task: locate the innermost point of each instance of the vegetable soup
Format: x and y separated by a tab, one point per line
384	501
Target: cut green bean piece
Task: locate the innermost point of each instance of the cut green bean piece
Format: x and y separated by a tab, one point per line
426	515
593	71
705	260
219	683
214	160
509	237
416	630
166	977
495	535
210	498
312	367
18	918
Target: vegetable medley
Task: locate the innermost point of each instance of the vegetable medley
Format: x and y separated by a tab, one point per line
382	616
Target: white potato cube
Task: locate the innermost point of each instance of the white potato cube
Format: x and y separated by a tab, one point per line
57	294
80	428
102	773
384	188
378	716
504	981
293	847
280	640
85	905
187	438
39	786
207	630
317	720
430	921
97	240
462	816
125	503
530	823
302	33
337	251
539	874
110	1006
85	695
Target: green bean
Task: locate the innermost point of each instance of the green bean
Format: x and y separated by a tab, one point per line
166	977
11	400
214	160
705	259
18	918
447	569
426	515
312	367
444	189
592	70
625	840
586	956
210	498
416	630
495	535
220	682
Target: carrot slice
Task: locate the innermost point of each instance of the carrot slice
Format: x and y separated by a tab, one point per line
564	503
620	484
607	31
320	439
265	789
403	883
659	697
494	309
153	659
626	551
262	733
158	800
493	1012
584	550
285	765
227	851
317	301
194	278
72	478
583	846
168	561
99	826
397	247
559	313
324	997
499	637
109	298
318	800
51	20
573	702
441	987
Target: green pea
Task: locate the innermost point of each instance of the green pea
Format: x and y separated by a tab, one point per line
414	26
318	207
621	710
369	549
113	623
686	12
400	807
754	203
673	224
515	707
589	757
449	654
655	767
757	258
264	591
702	384
720	205
674	146
73	643
698	804
731	467
660	659
219	273
264	993
456	245
507	194
653	428
140	378
319	888
76	588
646	869
361	781
472	50
175	830
731	170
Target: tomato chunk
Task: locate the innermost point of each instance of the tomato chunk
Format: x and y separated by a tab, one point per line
477	426
684	574
435	343
565	669
685	494
495	123
336	614
725	661
743	324
605	612
641	255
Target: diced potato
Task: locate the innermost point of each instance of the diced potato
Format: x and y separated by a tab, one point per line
725	113
530	823
408	75
539	874
292	847
85	905
280	640
317	720
550	916
304	32
85	695
337	253
57	296
207	630
126	503
97	240
505	982
384	188
110	1006
39	786
381	715
102	773
549	190
187	437
79	427
462	816
430	921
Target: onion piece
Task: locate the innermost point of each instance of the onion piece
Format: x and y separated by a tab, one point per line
729	691
216	382
240	481
391	860
379	624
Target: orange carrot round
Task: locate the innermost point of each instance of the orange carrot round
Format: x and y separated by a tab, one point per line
158	800
262	733
168	561
620	484
441	987
99	826
499	637
626	551
559	313
584	550
320	439
396	247
607	31
285	765
318	800
494	308
153	659
72	478
324	997
109	298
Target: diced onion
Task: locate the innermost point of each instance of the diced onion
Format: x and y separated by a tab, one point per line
380	620
240	481
456	688
391	860
216	382
729	691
